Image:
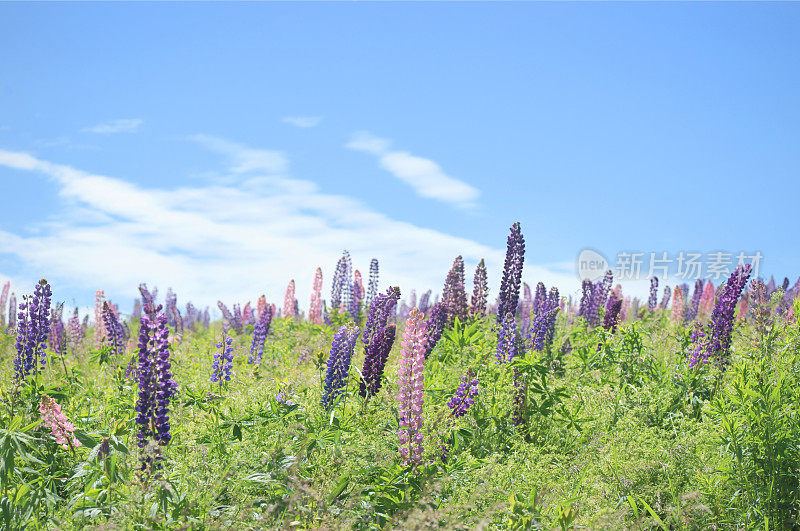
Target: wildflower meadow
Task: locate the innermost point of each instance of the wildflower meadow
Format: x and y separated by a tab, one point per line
370	407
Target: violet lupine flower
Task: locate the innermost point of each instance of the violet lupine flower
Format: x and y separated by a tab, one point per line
480	291
539	298
222	368
341	289
453	295
611	317
99	330
3	301
463	397
653	299
156	386
423	301
677	306
60	427
543	327
32	329
762	317
74	332
694	306
378	338
512	273
707	299
566	346
435	327
248	315
115	333
315	306
227	316
526	306
148	300
339	364
259	337
237	324
58	332
174	318
713	340
665	298
508	341
357	295
587	289
410	396
372	286
288	300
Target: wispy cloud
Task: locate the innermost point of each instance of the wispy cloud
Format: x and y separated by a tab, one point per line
425	176
216	241
124	125
302	121
244	159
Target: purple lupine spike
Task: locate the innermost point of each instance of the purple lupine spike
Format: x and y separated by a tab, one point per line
512	273
480	292
423	301
410	393
222	368
611	318
148	300
694	305
454	297
236	323
653	299
74	332
586	298
540	335
342	288
507	340
58	332
539	298
434	327
339	364
113	332
372	287
156	386
259	336
378	338
665	298
713	340
463	397
33	327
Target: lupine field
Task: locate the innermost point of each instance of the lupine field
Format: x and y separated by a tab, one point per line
375	407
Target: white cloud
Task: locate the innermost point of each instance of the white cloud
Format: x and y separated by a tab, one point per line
303	121
425	176
245	159
125	125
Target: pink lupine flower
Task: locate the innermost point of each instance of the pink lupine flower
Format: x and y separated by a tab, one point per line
261	306
315	307
61	428
623	312
99	326
742	311
288	300
707	299
247	314
677	305
410	393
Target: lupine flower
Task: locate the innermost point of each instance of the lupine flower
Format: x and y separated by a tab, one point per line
512	273
372	287
453	295
358	295
626	305
713	340
611	317
342	288
74	332
60	427
587	290
463	397
378	338
248	316
542	330
237	324
261	305
174	318
762	317
707	299
566	346
222	367
99	330
653	299
665	298
288	300
526	305
539	298
410	397
259	336
480	291
32	330
423	301
339	364
58	332
12	311
227	316
595	296
156	386
434	327
677	306
3	301
315	307
508	341
741	311
115	333
694	306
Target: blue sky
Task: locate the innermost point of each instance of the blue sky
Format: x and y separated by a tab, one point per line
225	148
